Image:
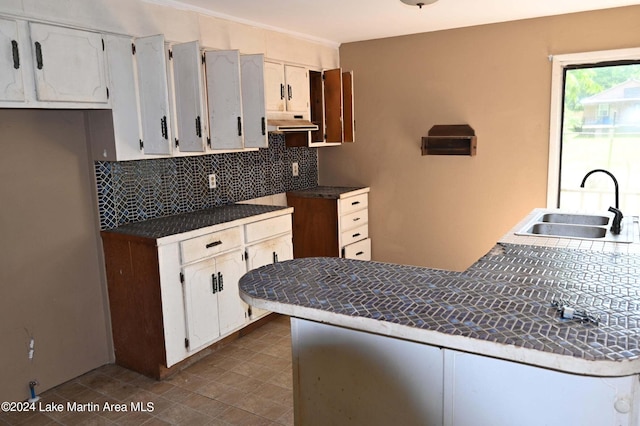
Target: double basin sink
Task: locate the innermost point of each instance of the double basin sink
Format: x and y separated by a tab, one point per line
577	226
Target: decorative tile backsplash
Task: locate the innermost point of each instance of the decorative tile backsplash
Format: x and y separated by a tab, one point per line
132	191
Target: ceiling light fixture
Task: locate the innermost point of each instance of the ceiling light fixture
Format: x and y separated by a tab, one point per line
418	3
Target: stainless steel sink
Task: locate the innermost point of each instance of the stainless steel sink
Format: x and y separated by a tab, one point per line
570	231
575	219
577	226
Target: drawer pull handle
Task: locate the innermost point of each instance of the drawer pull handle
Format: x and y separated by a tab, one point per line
355	219
355	203
360	253
16	54
356	235
213	244
282	91
38	55
214	284
220	282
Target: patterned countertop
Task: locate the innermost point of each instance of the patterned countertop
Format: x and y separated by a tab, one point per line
185	222
501	306
334	192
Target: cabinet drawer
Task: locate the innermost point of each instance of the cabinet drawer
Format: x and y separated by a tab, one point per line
353	220
210	244
351	204
360	250
355	234
267	228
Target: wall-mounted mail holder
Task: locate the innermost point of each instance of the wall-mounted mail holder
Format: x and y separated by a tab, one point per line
451	139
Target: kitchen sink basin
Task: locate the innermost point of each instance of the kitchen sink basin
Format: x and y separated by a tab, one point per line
570	231
558	224
575	219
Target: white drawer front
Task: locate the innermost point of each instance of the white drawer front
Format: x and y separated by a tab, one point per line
268	228
360	250
355	234
353	220
351	204
210	244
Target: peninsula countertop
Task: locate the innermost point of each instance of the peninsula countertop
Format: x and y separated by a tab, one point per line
500	307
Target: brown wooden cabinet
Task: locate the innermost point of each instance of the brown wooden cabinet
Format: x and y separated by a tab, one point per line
331	222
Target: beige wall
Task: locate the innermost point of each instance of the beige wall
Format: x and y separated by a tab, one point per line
447	211
50	267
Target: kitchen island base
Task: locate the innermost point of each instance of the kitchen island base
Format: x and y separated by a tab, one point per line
344	376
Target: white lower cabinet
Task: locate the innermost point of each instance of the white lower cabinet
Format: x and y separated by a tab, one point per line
171	297
213	307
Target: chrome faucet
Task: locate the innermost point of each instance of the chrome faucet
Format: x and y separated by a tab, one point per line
617	220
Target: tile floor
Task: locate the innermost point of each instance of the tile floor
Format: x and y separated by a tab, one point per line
247	382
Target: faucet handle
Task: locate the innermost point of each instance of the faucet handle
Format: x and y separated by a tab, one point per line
617	212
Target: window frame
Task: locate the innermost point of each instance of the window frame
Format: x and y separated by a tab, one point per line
559	63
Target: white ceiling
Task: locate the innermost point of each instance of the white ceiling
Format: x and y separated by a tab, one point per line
341	21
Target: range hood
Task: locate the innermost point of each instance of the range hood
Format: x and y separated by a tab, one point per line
291	125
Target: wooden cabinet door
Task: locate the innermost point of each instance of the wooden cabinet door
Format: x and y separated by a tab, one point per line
189	93
297	88
333	105
123	93
11	54
348	118
231	309
224	99
253	101
69	64
274	86
154	97
201	303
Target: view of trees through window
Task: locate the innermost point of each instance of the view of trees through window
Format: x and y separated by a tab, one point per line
601	130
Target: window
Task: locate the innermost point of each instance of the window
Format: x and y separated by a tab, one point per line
595	124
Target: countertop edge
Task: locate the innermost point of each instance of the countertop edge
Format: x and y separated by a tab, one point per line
220	226
562	363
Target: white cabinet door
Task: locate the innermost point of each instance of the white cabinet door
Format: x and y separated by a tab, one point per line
187	77
231	309
69	64
154	97
265	253
274	86
201	303
224	99
253	101
123	93
270	251
297	90
11	51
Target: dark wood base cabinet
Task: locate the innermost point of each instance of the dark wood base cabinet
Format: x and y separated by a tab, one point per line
330	222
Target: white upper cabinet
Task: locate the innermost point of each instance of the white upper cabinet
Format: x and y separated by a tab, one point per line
253	101
191	128
286	88
297	94
224	99
115	134
11	53
69	64
151	60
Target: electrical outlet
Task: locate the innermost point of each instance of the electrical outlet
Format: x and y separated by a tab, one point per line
212	181
294	169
